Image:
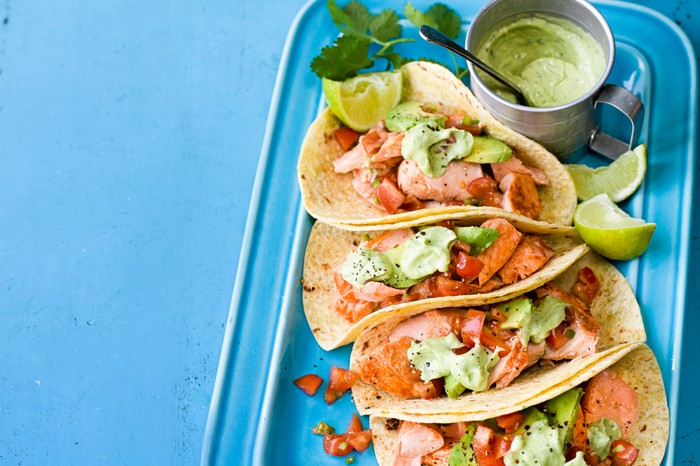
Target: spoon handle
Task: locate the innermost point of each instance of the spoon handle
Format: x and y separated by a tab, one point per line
434	36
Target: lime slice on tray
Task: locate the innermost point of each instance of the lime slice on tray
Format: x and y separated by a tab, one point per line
610	231
619	180
362	101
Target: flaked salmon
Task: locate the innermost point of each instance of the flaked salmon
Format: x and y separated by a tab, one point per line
530	256
520	195
430	324
584	328
514	165
609	396
414	441
496	255
452	186
388	368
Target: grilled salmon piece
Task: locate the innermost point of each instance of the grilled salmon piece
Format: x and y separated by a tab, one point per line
496	255
520	195
388	368
531	254
353	159
579	320
607	395
452	186
431	324
389	239
514	165
511	365
414	441
391	148
373	140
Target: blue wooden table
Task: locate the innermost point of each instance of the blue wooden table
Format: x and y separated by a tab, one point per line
129	137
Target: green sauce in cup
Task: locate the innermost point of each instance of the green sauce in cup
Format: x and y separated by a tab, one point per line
551	59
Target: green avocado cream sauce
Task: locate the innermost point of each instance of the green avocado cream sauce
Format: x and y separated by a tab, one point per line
540	446
433	148
425	253
551	59
434	358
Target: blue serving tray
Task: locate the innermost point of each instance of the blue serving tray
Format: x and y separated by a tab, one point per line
257	415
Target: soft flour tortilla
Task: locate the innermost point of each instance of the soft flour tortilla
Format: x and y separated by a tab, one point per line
638	368
615	308
328	247
329	196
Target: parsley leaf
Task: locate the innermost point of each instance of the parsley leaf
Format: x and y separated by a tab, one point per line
344	59
385	25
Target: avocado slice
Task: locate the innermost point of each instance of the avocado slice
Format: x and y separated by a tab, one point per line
452	386
397	278
479	238
532	415
488	150
562	412
462	453
408	114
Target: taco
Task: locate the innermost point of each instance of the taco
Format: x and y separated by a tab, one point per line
619	417
445	363
431	157
353	280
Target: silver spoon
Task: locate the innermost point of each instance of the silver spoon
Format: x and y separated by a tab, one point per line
434	36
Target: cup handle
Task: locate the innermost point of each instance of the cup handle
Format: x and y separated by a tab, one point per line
627	103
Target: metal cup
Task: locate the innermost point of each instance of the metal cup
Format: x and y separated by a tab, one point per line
566	130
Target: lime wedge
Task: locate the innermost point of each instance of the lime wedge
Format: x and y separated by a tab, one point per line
609	231
619	180
362	101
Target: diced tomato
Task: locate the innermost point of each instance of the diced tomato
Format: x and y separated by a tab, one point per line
587	286
390	196
355	424
449	224
468	266
462	246
340	381
454	431
360	440
483	447
501	445
623	453
412	203
346	137
510	422
492	339
484	189
465	123
559	336
336	444
354	439
471	326
448	287
309	383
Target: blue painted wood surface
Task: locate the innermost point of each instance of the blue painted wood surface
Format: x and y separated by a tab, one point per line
129	137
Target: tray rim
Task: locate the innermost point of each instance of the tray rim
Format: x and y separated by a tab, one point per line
214	418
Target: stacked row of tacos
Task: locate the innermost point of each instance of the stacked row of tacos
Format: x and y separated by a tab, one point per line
473	306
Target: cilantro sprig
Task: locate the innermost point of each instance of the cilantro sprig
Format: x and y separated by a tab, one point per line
349	54
369	37
442	18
